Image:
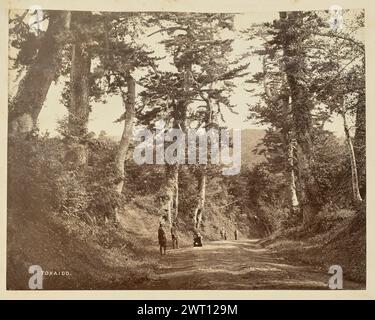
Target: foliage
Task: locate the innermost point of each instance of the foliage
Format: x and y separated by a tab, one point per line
193	93
41	180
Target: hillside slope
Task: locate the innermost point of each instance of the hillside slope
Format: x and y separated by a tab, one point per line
96	257
250	138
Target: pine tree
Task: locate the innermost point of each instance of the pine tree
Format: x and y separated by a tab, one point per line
202	75
41	57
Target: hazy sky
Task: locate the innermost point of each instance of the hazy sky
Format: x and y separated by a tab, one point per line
103	115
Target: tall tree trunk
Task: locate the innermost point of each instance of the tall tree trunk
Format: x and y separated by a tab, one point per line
291	143
294	63
170	203
360	147
284	100
172	171
26	105
202	178
129	103
353	164
293	189
198	212
176	196
79	107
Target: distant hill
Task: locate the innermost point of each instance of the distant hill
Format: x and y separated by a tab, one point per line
250	138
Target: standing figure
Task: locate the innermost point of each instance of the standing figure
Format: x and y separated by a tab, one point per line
225	234
235	234
174	235
162	239
222	233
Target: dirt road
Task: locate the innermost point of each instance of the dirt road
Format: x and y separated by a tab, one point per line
235	265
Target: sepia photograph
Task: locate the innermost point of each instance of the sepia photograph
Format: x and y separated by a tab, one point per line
165	150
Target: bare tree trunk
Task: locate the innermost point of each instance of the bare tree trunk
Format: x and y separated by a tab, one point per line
176	195
353	164
198	212
289	137
172	171
360	147
308	188
285	100
33	87
170	203
79	107
129	103
293	188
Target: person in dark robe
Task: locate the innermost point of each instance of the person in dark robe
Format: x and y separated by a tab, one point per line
197	239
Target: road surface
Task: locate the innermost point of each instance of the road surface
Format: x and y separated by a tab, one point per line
235	265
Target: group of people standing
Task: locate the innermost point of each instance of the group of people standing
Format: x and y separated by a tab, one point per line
197	238
162	236
223	234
